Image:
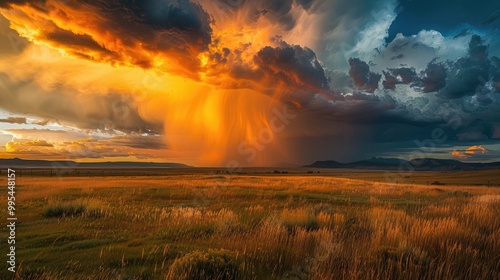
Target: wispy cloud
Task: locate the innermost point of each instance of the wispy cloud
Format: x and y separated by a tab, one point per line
14	120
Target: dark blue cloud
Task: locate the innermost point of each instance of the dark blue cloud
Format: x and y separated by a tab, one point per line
362	77
468	73
294	65
444	16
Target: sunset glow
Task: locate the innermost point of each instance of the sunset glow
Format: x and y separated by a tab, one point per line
201	82
250	139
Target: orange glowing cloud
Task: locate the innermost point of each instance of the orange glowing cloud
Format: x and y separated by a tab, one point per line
458	154
476	149
471	151
212	83
106	31
232	48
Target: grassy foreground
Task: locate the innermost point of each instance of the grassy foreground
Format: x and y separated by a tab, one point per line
253	227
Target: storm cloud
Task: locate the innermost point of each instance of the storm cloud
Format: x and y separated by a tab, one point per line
362	77
293	64
340	65
146	34
87	111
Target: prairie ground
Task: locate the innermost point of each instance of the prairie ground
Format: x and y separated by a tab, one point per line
223	226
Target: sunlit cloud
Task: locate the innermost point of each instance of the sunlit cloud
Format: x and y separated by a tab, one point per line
476	150
476	153
459	154
14	120
65	145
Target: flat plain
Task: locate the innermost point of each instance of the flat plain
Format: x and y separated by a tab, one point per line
258	224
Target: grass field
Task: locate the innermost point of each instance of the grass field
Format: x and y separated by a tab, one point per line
257	226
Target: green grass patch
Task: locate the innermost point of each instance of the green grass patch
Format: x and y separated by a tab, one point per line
64	210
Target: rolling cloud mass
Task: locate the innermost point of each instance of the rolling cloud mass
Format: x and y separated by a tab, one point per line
250	82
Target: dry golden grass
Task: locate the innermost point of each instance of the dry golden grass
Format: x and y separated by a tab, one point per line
251	227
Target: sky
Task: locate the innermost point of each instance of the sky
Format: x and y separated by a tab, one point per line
249	82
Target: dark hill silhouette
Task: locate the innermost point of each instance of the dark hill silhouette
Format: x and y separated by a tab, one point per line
420	164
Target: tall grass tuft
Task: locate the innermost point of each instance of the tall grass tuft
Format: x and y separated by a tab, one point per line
215	265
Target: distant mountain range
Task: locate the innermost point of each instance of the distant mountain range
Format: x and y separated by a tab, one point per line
21	163
421	164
